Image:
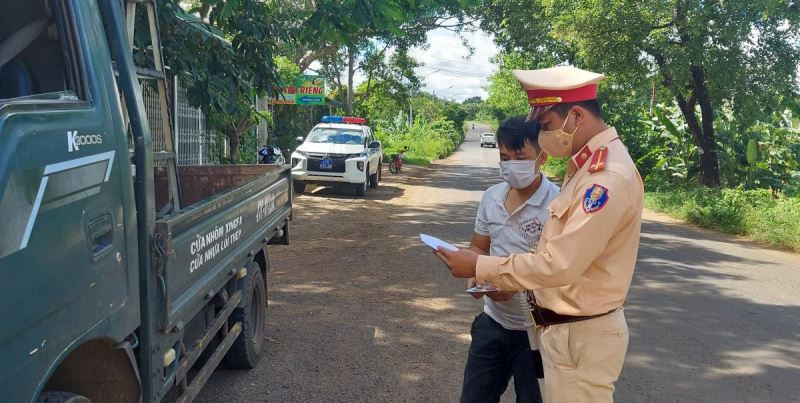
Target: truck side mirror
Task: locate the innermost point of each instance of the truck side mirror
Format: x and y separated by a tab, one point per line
375	144
299	139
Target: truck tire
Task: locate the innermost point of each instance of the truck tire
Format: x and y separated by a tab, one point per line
247	349
299	187
61	397
373	179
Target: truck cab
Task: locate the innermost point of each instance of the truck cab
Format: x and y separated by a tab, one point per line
339	150
114	287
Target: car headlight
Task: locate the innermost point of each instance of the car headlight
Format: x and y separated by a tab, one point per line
300	153
363	154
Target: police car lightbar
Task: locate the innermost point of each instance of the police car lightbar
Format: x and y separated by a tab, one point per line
343	119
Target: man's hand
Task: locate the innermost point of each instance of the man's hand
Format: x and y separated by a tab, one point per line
472	282
501	295
461	263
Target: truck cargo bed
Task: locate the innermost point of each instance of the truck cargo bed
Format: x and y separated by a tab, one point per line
201	243
198	182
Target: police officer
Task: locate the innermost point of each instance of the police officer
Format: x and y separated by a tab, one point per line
582	268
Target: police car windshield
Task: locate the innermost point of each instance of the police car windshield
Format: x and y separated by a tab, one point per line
335	136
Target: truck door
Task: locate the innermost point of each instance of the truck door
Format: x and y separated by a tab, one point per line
63	191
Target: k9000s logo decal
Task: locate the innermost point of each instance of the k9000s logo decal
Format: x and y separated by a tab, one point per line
74	141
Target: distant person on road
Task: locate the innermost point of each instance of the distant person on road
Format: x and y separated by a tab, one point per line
509	220
582	269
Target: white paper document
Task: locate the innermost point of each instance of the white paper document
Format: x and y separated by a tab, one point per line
435	243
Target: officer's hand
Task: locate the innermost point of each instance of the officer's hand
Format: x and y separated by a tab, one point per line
472	282
501	295
461	263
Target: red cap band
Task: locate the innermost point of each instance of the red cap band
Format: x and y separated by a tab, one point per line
551	97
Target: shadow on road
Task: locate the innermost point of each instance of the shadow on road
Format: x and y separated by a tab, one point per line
687	325
359	308
345	192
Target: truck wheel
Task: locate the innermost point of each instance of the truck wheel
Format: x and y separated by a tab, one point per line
61	397
249	346
299	187
373	179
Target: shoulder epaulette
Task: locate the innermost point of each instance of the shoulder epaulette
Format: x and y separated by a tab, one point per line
599	160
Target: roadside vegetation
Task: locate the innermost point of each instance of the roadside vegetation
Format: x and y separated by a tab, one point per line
757	214
709	118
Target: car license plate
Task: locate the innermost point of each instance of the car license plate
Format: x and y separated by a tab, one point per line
325	164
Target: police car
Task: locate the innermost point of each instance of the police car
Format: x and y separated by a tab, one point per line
339	150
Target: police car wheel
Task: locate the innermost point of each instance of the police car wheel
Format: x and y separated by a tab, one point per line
361	188
61	397
247	349
373	179
299	187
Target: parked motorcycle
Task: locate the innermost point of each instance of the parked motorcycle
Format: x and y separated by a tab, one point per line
270	154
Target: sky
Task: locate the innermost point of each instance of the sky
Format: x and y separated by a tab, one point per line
448	69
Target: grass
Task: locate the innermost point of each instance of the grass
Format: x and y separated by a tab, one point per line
757	214
417	161
410	160
426	141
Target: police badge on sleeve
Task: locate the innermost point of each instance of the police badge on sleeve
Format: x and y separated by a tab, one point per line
595	198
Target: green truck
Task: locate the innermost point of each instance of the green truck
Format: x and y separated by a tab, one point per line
109	291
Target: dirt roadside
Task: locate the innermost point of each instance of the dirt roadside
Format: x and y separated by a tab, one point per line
358	309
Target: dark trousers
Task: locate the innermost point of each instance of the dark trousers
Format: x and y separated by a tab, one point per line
495	355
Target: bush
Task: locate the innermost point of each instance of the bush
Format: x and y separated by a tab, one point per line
556	167
759	214
426	141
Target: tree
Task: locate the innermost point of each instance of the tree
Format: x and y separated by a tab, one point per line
223	77
348	35
389	85
738	54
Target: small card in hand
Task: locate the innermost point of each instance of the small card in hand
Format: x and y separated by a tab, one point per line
485	288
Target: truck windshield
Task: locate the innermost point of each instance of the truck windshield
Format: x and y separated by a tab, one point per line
336	136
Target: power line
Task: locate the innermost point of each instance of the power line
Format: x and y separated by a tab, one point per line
465	73
472	63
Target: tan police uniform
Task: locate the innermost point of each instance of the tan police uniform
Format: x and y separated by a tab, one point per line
582	269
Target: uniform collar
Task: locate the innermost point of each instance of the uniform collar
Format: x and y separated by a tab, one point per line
585	154
606	136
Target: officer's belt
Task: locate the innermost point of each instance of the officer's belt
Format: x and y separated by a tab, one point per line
546	317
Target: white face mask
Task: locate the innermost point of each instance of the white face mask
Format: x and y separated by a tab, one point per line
519	173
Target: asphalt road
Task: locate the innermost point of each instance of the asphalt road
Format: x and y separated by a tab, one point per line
359	310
